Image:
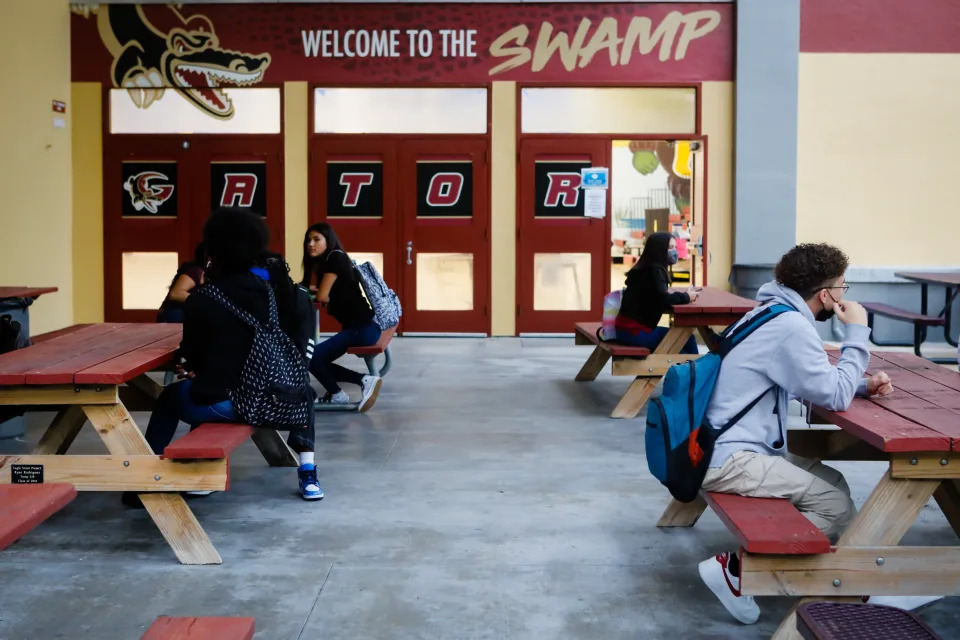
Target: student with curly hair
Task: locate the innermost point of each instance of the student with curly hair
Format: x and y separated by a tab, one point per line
782	360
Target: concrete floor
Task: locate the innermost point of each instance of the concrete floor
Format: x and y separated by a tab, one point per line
486	495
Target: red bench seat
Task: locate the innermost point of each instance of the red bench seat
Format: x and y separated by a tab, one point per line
167	628
375	349
897	313
208	442
24	506
588	331
767	525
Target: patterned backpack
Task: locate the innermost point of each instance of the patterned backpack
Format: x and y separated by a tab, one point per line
383	299
274	389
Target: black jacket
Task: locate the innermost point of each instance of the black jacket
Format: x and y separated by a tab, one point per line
647	296
216	343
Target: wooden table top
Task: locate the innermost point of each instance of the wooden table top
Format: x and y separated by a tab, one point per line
24	292
922	413
712	301
950	279
110	353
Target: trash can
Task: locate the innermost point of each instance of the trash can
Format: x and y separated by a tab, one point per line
18	310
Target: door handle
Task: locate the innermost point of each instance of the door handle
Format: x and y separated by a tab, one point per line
410	252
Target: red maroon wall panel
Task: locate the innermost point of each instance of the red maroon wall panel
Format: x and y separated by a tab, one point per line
880	26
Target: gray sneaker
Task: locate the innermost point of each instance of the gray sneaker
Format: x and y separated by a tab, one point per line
370	388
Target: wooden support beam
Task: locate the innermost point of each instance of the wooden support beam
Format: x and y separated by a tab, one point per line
58	437
274	448
594	365
636	396
948	497
124	473
889	512
118	430
854	571
926	465
653	366
180	528
147	385
62	394
682	514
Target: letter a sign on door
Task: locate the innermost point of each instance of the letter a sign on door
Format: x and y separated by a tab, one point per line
445	188
240	185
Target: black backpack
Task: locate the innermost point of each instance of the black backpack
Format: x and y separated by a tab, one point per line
295	308
11	334
274	389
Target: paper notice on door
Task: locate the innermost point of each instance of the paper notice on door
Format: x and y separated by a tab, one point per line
595	203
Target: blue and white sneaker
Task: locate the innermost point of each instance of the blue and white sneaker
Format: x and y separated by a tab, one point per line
309	484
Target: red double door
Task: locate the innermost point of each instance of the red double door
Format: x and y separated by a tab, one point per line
159	192
419	210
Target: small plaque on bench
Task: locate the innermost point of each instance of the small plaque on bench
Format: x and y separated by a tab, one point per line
26	474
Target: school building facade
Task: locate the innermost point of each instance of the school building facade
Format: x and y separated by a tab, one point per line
448	143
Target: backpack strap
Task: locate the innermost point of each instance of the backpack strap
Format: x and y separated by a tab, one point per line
214	293
732	338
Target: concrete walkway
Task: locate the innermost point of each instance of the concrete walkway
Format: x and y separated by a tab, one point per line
486	495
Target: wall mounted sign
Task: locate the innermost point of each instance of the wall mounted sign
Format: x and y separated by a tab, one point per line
445	188
239	184
355	189
198	49
557	184
148	189
26	474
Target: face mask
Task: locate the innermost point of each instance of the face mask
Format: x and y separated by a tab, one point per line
672	256
825	314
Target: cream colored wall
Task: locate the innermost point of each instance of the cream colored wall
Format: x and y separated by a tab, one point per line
716	122
86	99
35	177
503	209
296	136
876	171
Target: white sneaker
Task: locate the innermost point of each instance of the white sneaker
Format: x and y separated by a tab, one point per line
371	389
907	603
726	587
198	493
340	397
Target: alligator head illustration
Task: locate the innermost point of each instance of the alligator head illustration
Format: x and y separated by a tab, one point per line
184	54
143	194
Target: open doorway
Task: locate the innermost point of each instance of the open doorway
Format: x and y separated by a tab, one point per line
654	187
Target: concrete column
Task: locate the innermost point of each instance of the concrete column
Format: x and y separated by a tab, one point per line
768	45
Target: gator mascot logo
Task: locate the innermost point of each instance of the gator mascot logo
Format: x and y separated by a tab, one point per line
174	51
144	195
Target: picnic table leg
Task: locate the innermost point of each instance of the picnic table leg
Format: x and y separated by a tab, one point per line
682	514
168	510
60	434
274	448
640	389
947	496
885	518
594	365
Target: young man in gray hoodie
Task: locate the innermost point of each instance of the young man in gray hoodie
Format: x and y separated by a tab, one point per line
782	360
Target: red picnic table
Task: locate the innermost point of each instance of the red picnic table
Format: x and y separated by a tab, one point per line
916	430
7	293
713	307
951	283
98	373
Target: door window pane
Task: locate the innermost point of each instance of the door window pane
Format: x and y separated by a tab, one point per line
146	278
561	281
199	110
608	110
388	110
376	258
444	281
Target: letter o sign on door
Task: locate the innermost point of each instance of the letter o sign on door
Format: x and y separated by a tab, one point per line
445	188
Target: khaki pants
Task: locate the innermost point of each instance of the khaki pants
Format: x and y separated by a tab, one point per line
819	492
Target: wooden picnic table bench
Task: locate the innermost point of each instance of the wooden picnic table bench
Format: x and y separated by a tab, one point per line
24	506
921	321
6	293
98	373
916	430
713	307
206	628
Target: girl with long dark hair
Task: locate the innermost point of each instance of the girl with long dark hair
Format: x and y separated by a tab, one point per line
328	270
647	296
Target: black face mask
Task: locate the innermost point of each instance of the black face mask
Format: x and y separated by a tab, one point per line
825	314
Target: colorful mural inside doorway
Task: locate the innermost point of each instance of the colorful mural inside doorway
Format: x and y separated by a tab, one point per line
676	160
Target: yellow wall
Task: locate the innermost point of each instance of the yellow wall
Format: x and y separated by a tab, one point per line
503	209
86	98
296	136
36	240
716	122
876	170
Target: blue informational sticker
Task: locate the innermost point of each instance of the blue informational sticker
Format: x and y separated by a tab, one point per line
595	178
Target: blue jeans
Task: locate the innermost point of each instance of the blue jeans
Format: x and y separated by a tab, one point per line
175	405
652	339
322	364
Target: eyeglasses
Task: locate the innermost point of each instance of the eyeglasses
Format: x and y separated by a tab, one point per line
843	287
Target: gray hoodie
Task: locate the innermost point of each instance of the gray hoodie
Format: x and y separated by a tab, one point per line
785	353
